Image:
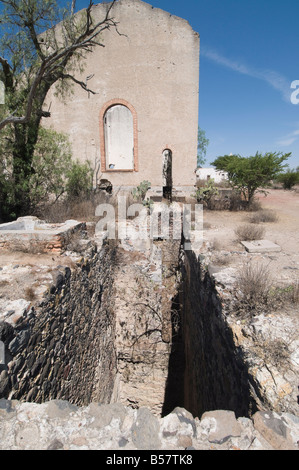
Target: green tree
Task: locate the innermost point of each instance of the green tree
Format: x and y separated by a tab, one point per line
202	144
289	178
251	174
51	164
35	53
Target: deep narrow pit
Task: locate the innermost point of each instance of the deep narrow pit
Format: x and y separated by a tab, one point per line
206	369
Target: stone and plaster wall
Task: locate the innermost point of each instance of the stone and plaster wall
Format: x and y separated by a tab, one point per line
152	67
145	285
102	332
29	234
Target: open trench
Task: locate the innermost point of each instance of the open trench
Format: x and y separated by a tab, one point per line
207	370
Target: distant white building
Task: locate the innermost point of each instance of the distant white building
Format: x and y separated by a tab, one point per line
211	173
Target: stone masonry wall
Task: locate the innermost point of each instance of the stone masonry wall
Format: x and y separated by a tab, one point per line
215	374
145	285
64	346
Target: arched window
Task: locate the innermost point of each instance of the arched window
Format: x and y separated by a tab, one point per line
118	137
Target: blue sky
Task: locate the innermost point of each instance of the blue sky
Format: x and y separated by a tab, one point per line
249	59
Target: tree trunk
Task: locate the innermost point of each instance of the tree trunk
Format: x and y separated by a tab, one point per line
25	138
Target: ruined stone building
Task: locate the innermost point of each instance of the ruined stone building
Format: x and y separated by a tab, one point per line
142	122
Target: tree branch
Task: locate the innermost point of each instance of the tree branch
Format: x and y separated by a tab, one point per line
52	66
22	120
83	85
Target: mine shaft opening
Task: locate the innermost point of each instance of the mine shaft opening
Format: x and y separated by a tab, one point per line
206	370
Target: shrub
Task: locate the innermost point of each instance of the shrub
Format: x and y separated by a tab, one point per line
206	193
288	179
286	295
141	190
79	180
249	232
51	161
265	215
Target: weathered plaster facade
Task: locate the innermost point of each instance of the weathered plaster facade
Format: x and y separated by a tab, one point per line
152	69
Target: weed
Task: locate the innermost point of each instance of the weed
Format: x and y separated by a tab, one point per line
30	294
254	206
288	294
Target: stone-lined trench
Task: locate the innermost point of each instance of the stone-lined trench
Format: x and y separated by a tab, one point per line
141	327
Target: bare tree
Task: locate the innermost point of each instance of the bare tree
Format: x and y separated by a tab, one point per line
40	45
51	65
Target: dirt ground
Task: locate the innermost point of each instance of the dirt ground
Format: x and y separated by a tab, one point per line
219	232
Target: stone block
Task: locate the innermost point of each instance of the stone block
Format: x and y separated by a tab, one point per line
260	246
273	429
145	430
60	409
220	425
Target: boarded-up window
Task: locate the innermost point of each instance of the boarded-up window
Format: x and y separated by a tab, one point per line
119	138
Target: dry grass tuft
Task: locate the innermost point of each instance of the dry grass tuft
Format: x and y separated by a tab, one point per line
265	215
249	232
254	284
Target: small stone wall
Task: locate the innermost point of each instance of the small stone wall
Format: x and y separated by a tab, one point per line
64	346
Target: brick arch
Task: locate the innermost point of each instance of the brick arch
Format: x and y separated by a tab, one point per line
103	111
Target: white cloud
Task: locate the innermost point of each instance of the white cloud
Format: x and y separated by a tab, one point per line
286	142
289	139
274	79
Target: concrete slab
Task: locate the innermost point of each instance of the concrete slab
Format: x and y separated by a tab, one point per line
260	246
